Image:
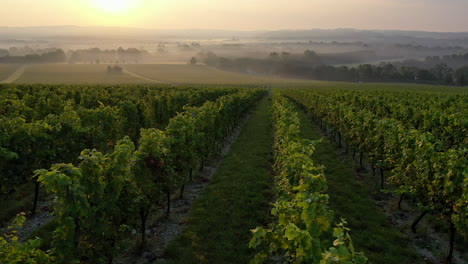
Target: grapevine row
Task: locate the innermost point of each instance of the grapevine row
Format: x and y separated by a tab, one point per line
43	125
434	177
100	200
301	232
443	115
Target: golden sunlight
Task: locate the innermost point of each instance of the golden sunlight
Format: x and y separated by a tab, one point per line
114	6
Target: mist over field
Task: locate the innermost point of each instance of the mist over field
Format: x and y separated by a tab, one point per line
321	54
349	32
232	132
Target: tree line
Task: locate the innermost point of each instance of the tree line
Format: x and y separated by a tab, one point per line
453	61
92	55
57	56
97	55
310	66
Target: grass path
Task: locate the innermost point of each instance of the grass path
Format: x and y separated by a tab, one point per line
142	77
15	75
350	197
236	201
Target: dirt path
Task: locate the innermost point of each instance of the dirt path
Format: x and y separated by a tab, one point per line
142	77
15	75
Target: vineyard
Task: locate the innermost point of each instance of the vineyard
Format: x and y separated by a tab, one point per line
419	138
113	157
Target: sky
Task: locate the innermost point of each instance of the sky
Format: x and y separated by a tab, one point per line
427	15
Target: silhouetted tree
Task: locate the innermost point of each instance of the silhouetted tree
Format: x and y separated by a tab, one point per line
193	61
310	54
461	76
425	75
114	69
443	73
274	55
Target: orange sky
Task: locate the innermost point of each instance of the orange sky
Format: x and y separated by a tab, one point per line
429	15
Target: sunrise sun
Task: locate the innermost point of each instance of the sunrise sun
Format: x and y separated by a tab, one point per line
114	6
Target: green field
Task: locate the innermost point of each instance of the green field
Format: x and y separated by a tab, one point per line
198	74
179	74
6	70
139	73
74	74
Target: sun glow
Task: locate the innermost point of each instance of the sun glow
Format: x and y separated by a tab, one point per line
114	6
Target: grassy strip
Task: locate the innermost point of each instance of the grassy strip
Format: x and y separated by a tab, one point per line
236	201
6	70
351	198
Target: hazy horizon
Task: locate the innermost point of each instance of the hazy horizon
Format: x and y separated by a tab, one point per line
239	30
243	15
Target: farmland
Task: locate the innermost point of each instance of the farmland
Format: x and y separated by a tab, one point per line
175	74
385	131
118	159
73	74
179	74
6	70
199	74
233	132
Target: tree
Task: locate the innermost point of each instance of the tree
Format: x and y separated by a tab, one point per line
425	75
389	72
443	73
461	76
211	59
310	54
365	72
274	55
193	61
114	69
408	73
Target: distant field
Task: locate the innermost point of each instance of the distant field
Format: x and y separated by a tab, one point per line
6	70
183	74
74	74
198	74
139	73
